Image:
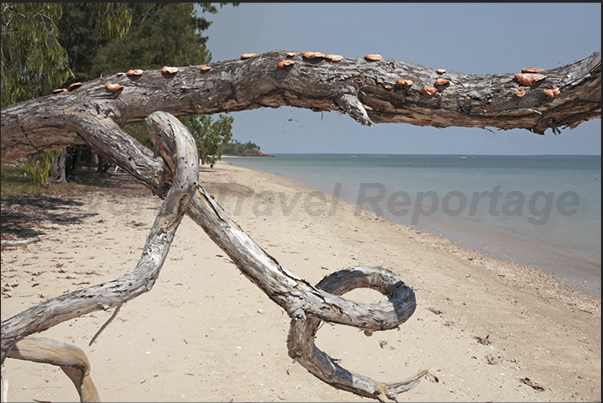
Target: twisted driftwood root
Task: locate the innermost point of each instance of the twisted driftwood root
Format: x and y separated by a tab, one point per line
302	332
71	359
299	298
179	151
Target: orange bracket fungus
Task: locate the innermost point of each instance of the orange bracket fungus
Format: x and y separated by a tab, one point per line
440	71
169	70
334	58
313	55
551	92
373	58
520	93
113	87
441	81
290	54
529	79
73	86
136	72
532	70
402	81
248	55
284	63
205	68
59	90
429	90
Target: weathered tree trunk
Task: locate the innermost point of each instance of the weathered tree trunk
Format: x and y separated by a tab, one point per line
74	160
102	165
366	90
58	168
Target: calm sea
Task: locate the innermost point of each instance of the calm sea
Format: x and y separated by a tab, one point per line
540	211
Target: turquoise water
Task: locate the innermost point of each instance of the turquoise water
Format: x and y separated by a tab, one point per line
541	211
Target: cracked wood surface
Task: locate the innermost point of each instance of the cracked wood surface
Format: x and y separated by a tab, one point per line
366	90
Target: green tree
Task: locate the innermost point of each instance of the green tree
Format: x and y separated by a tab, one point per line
211	136
47	45
237	148
167	34
33	60
160	34
86	27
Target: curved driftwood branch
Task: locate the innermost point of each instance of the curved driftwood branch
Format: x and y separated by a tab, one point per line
71	359
180	154
303	332
294	294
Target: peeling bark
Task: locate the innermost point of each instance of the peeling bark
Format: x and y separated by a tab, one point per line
366	90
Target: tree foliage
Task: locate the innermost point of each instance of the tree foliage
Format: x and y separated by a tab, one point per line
160	34
42	44
48	45
33	60
37	167
166	34
210	135
237	148
86	27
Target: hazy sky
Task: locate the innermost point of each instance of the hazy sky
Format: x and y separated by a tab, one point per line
476	38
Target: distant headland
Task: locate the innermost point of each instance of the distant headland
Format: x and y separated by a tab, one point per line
247	155
236	149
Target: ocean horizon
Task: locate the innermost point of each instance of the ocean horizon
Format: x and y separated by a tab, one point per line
541	210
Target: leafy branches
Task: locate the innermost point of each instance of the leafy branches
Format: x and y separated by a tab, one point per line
37	167
160	34
33	60
211	136
237	148
86	27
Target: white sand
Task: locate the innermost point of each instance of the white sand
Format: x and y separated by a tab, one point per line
206	333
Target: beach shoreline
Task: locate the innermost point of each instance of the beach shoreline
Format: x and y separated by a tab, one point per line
556	281
234	349
554	247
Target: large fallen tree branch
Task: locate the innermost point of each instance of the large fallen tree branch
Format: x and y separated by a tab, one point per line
367	90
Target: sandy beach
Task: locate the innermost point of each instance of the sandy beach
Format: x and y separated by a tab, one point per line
485	329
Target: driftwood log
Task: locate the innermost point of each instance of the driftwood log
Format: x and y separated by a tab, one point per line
71	359
19	242
369	91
